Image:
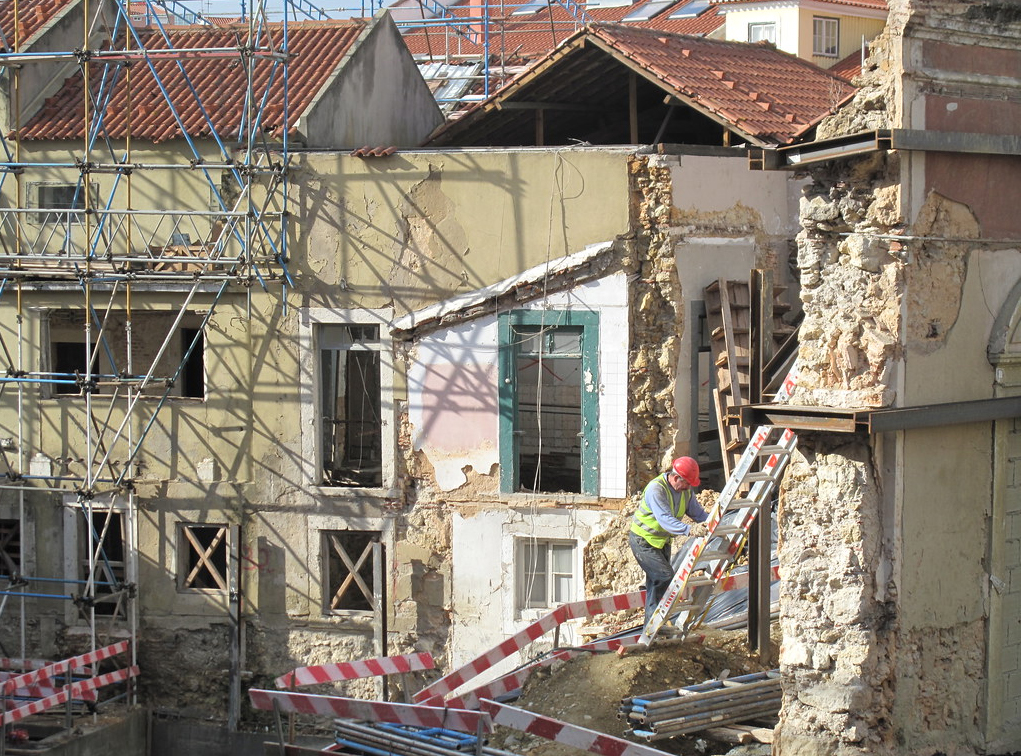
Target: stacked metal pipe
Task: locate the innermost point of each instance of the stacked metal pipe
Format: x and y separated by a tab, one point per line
682	710
381	740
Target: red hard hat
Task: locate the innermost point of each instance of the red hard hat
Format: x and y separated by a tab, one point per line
687	468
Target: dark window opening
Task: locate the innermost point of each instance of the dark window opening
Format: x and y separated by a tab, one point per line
10	547
69	363
548	430
104	546
193	382
352	433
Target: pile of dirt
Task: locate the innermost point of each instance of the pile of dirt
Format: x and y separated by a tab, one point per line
587	690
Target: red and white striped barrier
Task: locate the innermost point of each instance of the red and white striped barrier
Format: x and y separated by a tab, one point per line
515	680
70	692
562	732
59	668
23	665
385	665
740	580
41	691
371	711
574	610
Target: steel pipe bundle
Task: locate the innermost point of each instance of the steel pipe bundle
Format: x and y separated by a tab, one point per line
676	712
377	741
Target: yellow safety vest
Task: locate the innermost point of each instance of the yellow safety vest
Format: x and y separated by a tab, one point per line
644	522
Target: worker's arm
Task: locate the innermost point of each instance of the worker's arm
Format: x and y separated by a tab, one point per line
657	500
695	510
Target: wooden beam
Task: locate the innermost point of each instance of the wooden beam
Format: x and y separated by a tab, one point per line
632	90
535	105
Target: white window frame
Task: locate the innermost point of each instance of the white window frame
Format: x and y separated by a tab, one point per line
311	400
826	36
763	25
523	573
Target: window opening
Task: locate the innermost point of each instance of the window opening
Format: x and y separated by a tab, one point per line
548	439
825	33
105	545
10	547
203	550
53	200
545	573
762	33
352	432
193	382
349	564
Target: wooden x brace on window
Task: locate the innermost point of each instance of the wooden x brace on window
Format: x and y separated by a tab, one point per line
205	561
353	572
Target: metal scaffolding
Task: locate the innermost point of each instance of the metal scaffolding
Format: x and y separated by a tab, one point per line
86	229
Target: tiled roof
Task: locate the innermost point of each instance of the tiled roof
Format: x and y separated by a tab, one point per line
531	35
317	48
850	66
758	90
32	16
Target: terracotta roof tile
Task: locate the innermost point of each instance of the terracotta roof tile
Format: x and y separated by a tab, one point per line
317	48
850	66
529	36
759	90
32	16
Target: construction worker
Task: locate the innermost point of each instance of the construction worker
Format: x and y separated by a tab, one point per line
665	500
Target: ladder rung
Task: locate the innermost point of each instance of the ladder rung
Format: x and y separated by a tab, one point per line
737	504
755	477
771	449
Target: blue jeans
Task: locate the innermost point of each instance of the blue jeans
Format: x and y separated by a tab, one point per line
658	572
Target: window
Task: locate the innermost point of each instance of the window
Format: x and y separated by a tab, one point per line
352	431
53	199
202	554
181	364
762	32
10	547
102	552
352	560
548	401
647	10
544	573
690	10
825	32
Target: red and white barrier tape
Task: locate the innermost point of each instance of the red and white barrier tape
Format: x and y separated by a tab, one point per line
41	691
386	665
371	711
23	665
537	629
58	668
70	692
563	732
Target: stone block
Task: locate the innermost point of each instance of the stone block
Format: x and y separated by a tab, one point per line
832	696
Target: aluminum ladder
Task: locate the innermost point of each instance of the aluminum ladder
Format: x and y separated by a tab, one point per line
714	554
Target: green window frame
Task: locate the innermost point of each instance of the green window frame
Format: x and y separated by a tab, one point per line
559	334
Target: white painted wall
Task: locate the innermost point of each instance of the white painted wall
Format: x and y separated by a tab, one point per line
483	607
452	388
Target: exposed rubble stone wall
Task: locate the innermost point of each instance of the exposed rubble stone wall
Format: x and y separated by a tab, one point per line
657	317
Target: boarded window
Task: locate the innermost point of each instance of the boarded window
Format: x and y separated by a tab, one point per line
10	547
203	557
351	560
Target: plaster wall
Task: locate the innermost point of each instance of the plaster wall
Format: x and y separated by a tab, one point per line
452	390
484	607
419	227
377	80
